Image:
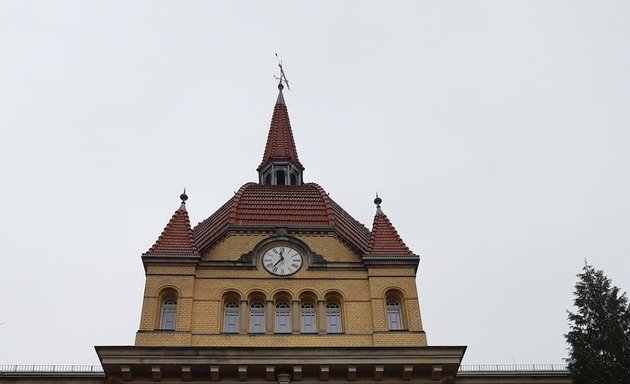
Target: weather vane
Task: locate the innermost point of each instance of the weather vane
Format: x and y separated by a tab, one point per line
282	78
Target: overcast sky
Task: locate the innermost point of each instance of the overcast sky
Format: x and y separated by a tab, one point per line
496	133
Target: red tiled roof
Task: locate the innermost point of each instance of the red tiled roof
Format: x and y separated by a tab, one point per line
385	240
299	206
280	144
177	237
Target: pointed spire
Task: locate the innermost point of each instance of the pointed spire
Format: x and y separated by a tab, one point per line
384	239
177	237
280	145
280	164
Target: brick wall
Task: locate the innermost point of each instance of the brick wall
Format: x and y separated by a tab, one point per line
201	291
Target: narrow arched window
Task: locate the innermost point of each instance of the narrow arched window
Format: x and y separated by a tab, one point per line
257	317
307	316
283	317
230	317
280	177
333	317
168	314
394	315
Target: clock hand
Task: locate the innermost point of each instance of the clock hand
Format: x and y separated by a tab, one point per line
279	260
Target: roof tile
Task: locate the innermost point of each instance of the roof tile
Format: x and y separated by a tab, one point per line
177	237
307	206
280	143
385	240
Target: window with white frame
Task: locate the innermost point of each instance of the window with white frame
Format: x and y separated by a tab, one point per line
168	314
333	317
230	317
307	316
394	315
283	317
257	317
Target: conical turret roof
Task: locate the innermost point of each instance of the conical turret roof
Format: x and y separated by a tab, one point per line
177	236
384	239
280	143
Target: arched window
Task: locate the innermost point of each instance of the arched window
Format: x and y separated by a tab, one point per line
230	317
307	316
283	317
280	177
333	317
168	313
293	179
257	317
394	315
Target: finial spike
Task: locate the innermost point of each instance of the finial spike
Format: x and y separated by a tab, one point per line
183	197
378	201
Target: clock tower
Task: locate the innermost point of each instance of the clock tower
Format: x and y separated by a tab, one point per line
280	284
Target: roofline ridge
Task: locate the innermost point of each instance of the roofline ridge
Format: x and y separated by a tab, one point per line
326	199
190	232
168	226
237	200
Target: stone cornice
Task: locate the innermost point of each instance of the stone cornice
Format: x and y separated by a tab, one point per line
265	363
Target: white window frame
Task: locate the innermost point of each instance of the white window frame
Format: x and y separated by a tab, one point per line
394	315
231	317
283	317
308	318
257	317
333	318
168	314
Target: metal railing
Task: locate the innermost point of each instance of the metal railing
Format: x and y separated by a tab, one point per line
41	369
513	368
478	368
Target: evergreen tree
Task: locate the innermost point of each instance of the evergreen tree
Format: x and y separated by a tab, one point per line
599	335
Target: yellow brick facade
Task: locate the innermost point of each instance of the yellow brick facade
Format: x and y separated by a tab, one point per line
201	291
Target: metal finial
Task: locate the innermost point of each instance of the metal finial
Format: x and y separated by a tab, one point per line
282	79
184	196
378	201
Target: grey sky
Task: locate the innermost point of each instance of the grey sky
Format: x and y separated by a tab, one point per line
496	133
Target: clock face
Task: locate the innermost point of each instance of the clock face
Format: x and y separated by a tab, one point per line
282	260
